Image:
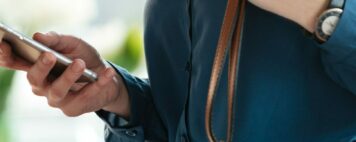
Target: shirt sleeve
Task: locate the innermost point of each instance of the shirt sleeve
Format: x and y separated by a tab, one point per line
144	122
339	52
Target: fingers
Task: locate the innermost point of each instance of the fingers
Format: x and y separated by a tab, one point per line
62	43
5	55
5	50
9	60
61	86
39	72
64	92
50	39
94	88
91	98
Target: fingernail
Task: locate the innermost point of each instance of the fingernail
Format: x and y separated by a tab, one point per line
109	73
78	66
51	33
41	34
46	60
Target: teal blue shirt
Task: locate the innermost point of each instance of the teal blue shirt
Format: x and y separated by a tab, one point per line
290	88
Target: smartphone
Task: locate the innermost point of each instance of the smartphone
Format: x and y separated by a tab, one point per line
30	50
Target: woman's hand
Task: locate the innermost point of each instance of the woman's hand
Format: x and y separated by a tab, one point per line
9	60
108	92
303	12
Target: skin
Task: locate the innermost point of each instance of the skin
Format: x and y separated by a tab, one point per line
109	92
72	98
303	12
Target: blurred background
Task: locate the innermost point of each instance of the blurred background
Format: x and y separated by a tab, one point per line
114	27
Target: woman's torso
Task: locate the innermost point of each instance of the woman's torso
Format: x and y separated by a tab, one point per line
283	92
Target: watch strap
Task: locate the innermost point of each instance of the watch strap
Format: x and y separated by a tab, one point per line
336	4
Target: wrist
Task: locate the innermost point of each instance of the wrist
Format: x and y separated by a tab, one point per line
309	17
302	12
101	66
119	103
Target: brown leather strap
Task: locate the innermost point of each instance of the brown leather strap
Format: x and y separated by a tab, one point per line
230	36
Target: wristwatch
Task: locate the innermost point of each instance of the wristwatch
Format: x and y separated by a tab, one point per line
328	20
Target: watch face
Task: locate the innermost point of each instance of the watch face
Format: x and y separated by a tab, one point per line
327	23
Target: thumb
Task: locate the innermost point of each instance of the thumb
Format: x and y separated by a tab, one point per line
50	39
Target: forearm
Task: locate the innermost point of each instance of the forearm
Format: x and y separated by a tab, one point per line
303	12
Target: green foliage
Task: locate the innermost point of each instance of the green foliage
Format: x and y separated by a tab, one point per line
5	84
131	52
4	134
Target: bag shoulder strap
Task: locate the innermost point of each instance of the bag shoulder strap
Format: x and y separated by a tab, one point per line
230	37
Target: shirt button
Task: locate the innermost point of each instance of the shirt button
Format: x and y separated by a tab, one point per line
132	133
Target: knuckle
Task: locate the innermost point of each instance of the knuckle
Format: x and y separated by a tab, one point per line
31	79
100	84
6	63
97	86
54	98
55	92
87	102
52	103
87	108
37	92
5	59
71	112
42	67
74	38
110	97
3	64
68	78
85	98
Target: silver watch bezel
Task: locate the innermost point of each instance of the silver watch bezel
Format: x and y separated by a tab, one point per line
319	33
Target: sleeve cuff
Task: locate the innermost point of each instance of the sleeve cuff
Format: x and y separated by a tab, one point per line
117	129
